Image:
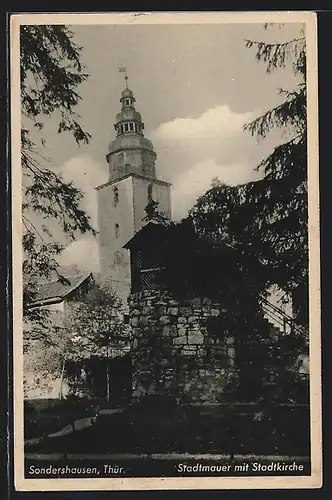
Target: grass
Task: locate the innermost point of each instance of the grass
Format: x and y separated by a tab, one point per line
160	428
45	416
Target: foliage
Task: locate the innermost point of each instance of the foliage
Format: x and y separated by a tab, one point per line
154	214
95	323
241	239
51	71
91	324
267	219
43	360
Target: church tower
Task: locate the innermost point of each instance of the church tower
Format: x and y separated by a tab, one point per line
122	200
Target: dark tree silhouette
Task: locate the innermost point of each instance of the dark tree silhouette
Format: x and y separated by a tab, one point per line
51	72
267	219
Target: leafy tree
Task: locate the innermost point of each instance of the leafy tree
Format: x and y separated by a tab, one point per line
51	72
267	220
92	324
153	214
265	223
44	351
95	326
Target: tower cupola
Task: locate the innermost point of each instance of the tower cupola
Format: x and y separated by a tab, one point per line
130	152
123	199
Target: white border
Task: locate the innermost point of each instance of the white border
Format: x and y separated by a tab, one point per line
188	483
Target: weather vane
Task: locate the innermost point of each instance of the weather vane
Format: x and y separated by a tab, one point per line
123	69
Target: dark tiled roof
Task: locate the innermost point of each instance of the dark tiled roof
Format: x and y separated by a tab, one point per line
71	279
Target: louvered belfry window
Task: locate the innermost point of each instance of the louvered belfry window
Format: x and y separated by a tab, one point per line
148	270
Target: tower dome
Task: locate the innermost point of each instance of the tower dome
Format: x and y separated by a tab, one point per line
127	93
130	151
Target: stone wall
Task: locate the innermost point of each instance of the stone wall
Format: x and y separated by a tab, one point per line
179	348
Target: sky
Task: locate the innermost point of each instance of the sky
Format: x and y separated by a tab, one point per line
196	85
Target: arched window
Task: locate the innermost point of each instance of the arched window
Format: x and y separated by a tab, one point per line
116	196
150	192
117	230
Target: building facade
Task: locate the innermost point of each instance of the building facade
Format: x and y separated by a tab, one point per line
132	184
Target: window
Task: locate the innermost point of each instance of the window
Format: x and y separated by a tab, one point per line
117	230
127	102
150	187
126	127
131	126
118	258
116	196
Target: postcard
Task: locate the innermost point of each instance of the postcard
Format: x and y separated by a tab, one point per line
165	235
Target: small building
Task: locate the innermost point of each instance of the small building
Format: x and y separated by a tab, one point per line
103	374
148	257
55	295
188	339
176	344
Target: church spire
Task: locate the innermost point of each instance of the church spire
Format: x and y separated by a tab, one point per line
130	152
123	69
128	120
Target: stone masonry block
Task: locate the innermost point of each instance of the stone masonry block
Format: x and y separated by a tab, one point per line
148	310
134	321
185	311
231	352
189	351
167	331
180	340
143	321
164	320
195	301
182	320
195	337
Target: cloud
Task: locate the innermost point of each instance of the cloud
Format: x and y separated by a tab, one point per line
218	122
197	180
86	174
192	151
83	253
